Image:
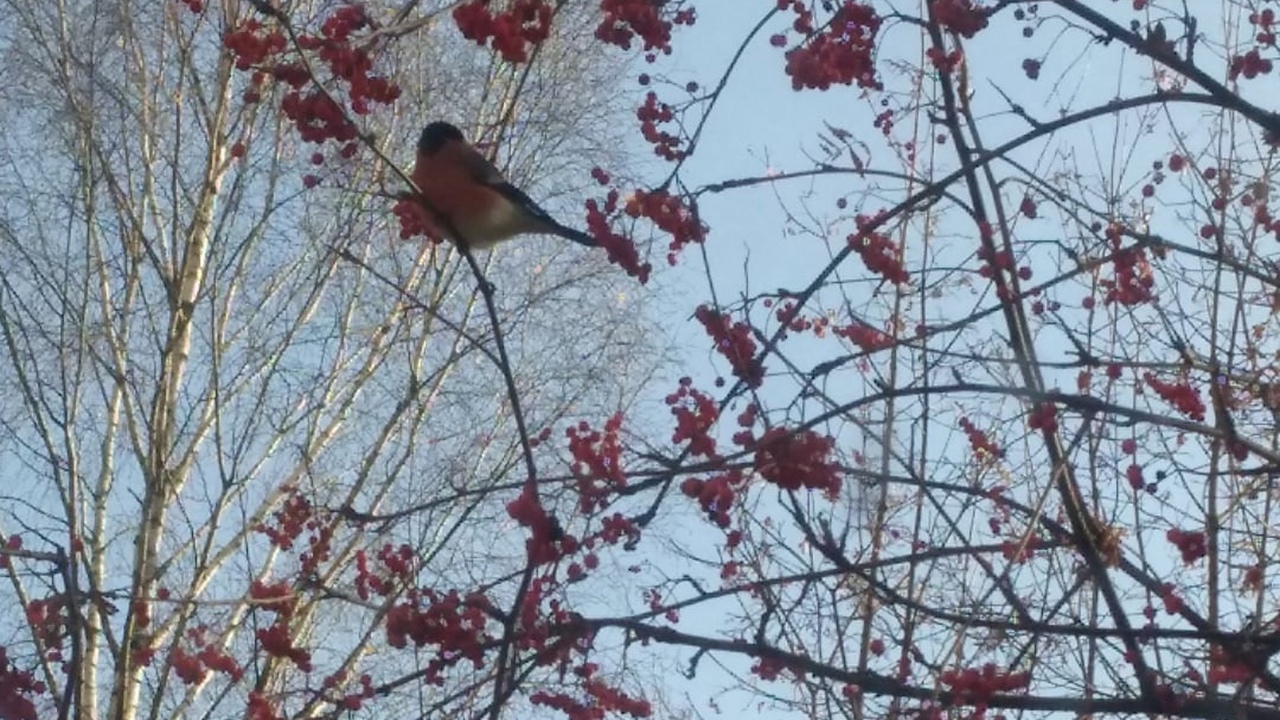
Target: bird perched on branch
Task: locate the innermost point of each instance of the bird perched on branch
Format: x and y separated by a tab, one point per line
472	203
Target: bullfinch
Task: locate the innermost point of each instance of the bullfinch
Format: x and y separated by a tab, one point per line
473	198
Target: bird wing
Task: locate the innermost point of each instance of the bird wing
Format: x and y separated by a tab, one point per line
486	174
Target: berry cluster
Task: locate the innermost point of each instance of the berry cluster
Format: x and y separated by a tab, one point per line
983	448
716	494
624	20
1043	417
735	343
599	699
397	563
1133	281
16	690
1191	543
524	24
695	413
669	213
597	462
293	517
1017	551
318	116
193	669
880	254
1250	65
456	626
798	459
842	52
973	686
275	639
1184	398
962	17
354	701
651	115
620	248
864	336
545	530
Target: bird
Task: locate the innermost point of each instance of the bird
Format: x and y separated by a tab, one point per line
469	197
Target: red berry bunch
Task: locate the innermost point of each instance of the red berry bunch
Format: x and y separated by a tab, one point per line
524	24
1017	551
696	413
1133	281
454	625
596	702
983	448
973	686
864	336
651	115
768	668
716	494
16	690
253	45
1227	667
1184	398
735	343
669	214
1190	543
293	517
318	115
789	316
962	17
843	52
624	20
193	669
48	622
597	462
396	563
275	639
878	252
620	248
798	459
1250	65
545	530
1043	417
259	708
416	221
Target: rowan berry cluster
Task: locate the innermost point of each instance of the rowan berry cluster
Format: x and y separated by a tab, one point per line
864	336
545	531
696	414
800	459
454	625
734	341
963	17
512	32
973	686
652	22
716	495
620	248
983	448
1043	417
318	115
17	688
879	254
275	639
652	114
841	52
669	213
1184	398
597	462
394	564
1191	543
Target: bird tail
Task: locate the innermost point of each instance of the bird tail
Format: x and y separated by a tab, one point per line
577	236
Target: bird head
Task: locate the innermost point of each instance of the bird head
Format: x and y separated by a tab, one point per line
435	135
